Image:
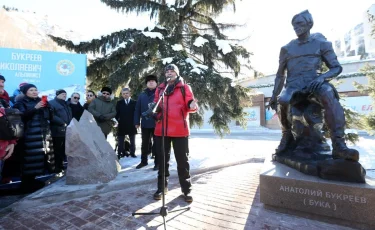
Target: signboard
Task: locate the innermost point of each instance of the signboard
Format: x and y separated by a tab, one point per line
49	71
362	105
253	118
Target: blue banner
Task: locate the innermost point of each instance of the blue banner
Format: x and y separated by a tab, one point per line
49	71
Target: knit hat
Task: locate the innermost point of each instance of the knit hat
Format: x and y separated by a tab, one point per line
150	78
2	77
172	67
107	89
60	91
22	84
26	87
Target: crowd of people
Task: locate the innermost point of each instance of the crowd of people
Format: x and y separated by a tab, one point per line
41	149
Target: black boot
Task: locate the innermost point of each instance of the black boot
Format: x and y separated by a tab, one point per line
285	142
141	165
341	151
287	136
188	198
158	194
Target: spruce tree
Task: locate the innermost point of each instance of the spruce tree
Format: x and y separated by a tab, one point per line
186	35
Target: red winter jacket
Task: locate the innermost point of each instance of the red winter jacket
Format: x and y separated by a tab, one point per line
5	96
176	111
4	143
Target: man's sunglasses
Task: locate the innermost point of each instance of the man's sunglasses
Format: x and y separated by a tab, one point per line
90	95
76	98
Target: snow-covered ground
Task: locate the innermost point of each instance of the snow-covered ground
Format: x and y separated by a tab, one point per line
210	150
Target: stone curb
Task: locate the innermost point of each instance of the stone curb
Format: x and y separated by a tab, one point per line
38	199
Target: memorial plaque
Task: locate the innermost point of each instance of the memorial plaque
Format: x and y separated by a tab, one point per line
284	187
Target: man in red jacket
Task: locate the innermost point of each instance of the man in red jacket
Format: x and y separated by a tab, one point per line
6	146
177	104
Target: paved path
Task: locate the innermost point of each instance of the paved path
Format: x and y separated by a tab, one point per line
223	199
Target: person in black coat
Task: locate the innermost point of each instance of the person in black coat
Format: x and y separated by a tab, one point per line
37	154
125	117
62	118
75	106
147	124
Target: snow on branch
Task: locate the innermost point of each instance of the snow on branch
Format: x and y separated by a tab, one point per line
177	47
200	41
167	60
153	35
224	46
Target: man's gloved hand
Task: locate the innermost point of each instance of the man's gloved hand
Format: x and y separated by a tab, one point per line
273	103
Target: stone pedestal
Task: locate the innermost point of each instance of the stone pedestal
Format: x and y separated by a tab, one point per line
284	187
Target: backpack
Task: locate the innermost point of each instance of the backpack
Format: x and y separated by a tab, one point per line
11	124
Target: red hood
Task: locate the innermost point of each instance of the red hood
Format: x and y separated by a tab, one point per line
5	96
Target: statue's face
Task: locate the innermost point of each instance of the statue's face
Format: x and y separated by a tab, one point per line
300	26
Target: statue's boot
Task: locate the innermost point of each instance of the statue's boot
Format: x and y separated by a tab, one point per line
335	120
285	142
341	151
287	136
324	146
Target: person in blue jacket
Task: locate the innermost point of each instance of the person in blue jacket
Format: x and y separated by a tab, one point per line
147	124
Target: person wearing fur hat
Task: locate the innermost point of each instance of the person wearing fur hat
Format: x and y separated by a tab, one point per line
62	117
147	125
173	119
103	110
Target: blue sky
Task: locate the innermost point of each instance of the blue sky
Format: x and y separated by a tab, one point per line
268	22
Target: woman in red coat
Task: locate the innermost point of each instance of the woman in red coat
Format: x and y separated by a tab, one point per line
177	104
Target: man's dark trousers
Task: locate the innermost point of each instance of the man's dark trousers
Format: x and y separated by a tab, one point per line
121	140
147	139
59	150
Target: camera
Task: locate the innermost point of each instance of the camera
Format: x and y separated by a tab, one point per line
148	114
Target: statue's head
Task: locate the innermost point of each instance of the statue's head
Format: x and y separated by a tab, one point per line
302	22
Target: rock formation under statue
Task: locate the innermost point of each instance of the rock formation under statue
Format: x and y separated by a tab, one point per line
91	159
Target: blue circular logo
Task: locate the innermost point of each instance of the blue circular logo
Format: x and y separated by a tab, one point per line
65	67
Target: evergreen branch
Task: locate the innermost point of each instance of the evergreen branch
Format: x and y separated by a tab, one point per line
214	6
98	45
209	21
126	6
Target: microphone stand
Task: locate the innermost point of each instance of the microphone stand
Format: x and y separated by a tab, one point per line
164	209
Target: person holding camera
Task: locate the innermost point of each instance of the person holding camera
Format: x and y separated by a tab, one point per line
103	110
37	153
147	124
173	113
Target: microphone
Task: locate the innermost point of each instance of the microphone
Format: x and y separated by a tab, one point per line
167	79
